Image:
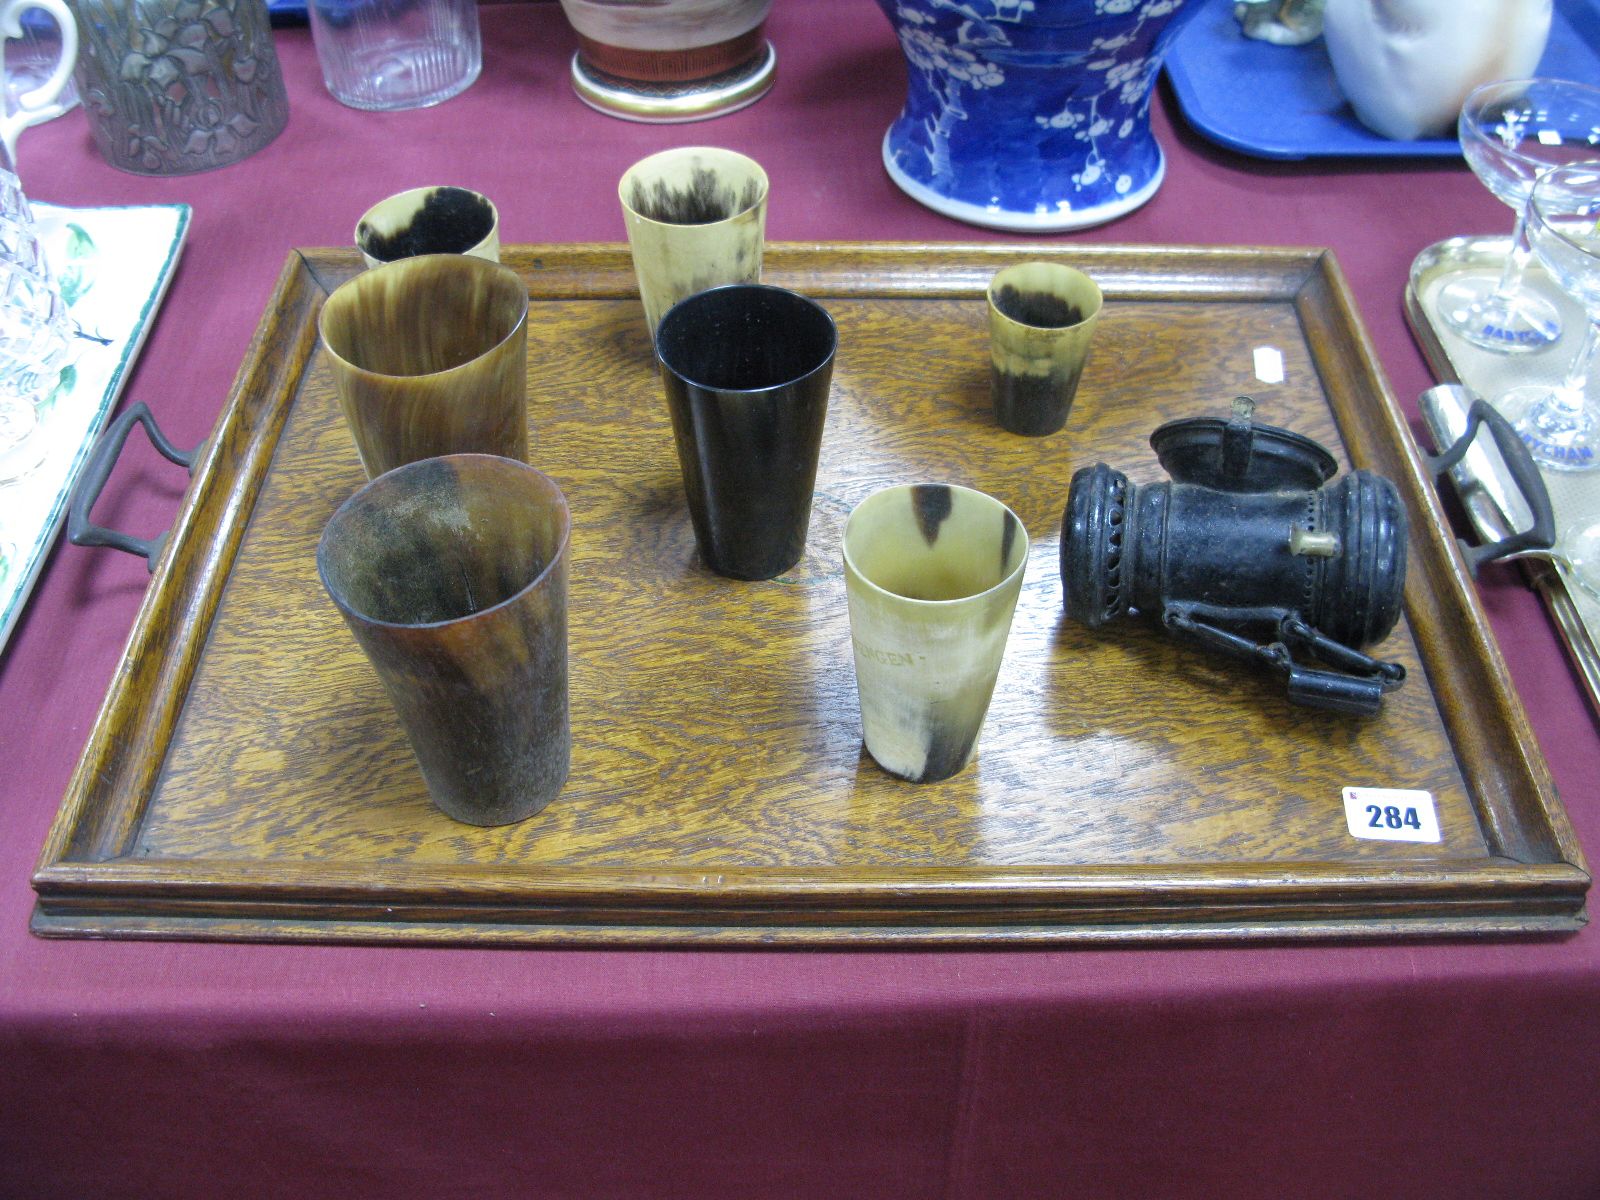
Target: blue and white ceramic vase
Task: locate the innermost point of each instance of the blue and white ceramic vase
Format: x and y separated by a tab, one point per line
1030	115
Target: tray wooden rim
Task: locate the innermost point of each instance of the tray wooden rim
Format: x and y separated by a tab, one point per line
1534	881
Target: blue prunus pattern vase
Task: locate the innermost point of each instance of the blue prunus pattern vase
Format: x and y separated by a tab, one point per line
1030	115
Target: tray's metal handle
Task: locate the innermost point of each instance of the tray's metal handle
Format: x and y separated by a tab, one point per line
1541	535
81	531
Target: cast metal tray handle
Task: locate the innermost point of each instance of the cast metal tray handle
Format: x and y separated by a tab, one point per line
81	531
1524	472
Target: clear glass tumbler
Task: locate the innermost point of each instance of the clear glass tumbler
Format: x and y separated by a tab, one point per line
392	54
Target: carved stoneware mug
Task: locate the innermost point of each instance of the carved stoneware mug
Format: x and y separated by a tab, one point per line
172	87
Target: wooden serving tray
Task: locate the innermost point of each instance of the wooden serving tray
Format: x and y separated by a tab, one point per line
246	778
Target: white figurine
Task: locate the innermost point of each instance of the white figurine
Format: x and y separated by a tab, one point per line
1406	65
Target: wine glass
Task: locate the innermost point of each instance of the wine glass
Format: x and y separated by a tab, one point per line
1511	131
1561	424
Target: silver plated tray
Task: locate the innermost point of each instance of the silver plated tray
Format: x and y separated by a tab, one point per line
1494	507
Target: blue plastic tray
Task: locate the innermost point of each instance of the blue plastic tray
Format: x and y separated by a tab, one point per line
1283	101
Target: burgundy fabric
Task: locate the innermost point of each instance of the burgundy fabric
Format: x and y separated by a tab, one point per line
1459	1069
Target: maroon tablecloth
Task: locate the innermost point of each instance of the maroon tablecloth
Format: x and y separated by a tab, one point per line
148	1069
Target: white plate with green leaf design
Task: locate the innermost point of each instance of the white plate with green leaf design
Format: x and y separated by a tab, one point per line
113	265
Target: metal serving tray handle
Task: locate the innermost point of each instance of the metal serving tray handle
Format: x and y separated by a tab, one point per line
1497	480
81	530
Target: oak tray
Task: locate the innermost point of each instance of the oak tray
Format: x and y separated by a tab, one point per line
246	780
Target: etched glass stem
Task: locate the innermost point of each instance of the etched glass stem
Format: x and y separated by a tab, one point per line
1570	394
1505	292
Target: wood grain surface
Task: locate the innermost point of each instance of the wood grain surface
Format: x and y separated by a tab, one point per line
247	778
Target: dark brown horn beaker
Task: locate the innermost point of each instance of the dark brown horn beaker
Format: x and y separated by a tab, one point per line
452	574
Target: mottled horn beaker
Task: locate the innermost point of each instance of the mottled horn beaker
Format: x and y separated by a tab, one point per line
697	219
932	576
1041	318
429	356
429	220
452	574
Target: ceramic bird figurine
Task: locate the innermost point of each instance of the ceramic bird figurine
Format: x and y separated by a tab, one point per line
1406	65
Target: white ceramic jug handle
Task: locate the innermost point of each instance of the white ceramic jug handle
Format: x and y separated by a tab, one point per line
40	104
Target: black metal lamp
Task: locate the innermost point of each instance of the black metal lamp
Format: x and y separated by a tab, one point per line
1249	552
